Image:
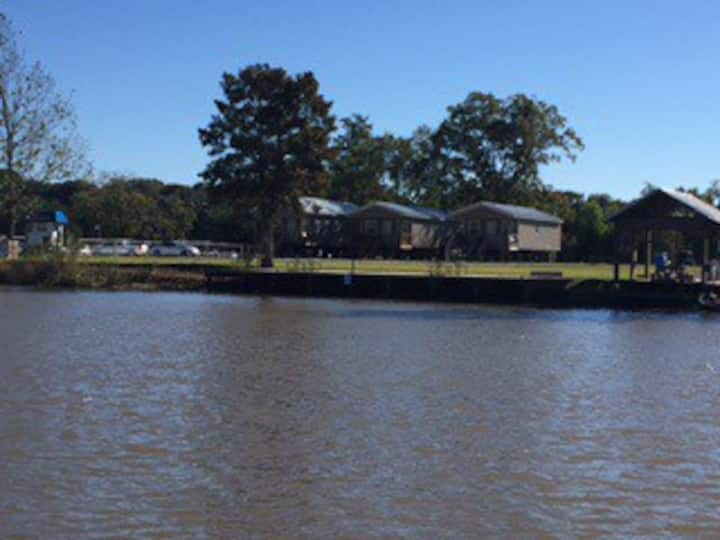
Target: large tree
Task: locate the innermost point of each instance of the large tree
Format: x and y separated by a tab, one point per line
493	148
359	166
429	180
38	138
269	143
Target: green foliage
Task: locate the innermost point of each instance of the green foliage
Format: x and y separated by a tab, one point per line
65	271
268	142
16	198
427	179
493	149
587	232
359	167
134	208
38	138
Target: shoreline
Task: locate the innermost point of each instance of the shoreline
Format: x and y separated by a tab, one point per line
553	292
536	292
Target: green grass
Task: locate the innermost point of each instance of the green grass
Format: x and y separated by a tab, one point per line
109	270
160	261
576	271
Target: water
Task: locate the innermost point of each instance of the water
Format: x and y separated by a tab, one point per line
195	416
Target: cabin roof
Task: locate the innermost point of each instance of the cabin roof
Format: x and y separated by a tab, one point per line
511	211
638	209
407	212
325	207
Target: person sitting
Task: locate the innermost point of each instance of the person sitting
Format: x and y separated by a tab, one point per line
662	266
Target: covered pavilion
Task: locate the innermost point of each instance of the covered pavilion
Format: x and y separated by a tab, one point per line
665	210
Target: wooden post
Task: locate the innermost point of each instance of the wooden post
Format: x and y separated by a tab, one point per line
648	252
706	258
617	244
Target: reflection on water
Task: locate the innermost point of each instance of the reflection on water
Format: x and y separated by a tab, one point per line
195	416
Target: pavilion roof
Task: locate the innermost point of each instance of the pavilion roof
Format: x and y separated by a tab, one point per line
670	208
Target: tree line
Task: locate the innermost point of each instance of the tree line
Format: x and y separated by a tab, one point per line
273	138
141	208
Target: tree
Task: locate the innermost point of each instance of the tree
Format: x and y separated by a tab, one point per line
428	181
592	226
38	139
493	149
712	193
358	168
135	208
269	143
117	210
16	197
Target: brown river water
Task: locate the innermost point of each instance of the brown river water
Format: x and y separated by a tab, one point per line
153	415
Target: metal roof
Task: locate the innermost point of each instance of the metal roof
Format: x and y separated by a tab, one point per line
518	213
325	207
408	212
706	210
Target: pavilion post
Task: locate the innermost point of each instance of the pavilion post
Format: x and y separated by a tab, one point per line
648	251
616	256
706	258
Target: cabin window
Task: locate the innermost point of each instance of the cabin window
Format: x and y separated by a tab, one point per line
387	227
371	227
474	227
492	227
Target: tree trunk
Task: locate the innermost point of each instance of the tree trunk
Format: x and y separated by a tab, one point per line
268	245
13	223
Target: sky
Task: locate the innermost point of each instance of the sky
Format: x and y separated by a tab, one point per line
638	80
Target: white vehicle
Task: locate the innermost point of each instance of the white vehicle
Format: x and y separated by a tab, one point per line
174	249
140	249
121	249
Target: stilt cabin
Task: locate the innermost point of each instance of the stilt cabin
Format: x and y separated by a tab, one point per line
390	230
488	230
320	228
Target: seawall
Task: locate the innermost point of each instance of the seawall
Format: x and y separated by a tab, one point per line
539	292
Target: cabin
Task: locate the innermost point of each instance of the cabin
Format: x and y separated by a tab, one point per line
391	230
46	229
489	230
320	228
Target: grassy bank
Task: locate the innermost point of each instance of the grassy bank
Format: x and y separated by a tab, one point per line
52	272
189	273
577	271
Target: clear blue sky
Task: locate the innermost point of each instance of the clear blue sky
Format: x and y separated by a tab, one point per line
639	80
